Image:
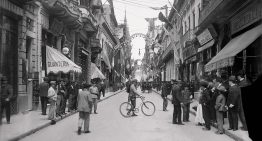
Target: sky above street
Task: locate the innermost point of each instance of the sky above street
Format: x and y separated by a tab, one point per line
136	12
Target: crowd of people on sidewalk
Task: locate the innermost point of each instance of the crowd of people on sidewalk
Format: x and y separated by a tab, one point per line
219	99
63	97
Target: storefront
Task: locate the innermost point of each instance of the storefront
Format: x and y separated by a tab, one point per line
243	52
207	49
190	60
9	51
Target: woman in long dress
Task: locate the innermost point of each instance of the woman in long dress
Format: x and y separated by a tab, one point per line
199	120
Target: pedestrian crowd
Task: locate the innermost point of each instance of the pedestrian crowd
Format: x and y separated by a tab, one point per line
218	99
60	95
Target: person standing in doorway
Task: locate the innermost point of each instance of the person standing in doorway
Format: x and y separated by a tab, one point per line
177	101
43	92
243	82
233	103
52	95
84	101
6	95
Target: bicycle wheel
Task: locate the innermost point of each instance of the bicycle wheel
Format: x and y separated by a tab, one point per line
125	109
148	108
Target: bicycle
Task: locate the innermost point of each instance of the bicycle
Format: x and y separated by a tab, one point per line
147	108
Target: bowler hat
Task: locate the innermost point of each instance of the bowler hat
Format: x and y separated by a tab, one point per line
221	88
232	78
203	83
52	82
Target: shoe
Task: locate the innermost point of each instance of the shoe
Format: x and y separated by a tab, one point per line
95	113
235	129
229	129
243	128
79	131
43	113
175	122
87	132
134	115
206	129
180	123
8	122
219	133
53	122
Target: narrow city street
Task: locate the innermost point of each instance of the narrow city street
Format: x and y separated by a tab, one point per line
109	125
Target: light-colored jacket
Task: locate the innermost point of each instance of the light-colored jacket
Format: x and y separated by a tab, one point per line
84	101
52	94
220	102
94	91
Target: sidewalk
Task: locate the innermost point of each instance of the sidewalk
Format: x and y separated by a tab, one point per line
238	135
24	124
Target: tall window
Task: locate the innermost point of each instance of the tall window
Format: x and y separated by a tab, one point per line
194	16
199	9
189	24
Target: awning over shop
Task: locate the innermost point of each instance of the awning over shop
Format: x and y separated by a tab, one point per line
207	45
56	62
96	73
106	59
226	56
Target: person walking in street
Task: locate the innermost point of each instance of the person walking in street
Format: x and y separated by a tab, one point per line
52	95
99	87
84	101
94	91
43	92
205	102
233	103
220	109
243	82
5	96
177	101
70	93
186	94
132	96
103	87
165	91
60	97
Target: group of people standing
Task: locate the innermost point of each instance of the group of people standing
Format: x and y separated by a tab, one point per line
81	97
218	99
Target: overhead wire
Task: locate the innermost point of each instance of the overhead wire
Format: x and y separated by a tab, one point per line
134	4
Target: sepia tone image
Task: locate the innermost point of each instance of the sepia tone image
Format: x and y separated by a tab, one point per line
129	70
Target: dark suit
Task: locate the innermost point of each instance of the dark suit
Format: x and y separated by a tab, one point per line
43	92
233	98
241	113
206	102
176	100
6	93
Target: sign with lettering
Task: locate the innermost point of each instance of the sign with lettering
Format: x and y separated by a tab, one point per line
246	17
58	64
204	37
189	51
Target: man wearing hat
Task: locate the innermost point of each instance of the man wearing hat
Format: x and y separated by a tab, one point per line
243	82
233	103
205	102
177	100
132	96
6	94
43	92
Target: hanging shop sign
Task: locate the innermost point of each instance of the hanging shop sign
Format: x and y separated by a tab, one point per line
248	16
207	35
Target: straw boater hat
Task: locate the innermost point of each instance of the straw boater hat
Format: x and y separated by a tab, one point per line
52	82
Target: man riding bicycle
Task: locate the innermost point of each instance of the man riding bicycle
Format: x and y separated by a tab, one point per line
132	96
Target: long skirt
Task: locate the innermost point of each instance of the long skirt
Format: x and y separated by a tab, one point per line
52	110
199	115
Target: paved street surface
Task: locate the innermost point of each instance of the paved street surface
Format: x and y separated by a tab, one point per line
109	125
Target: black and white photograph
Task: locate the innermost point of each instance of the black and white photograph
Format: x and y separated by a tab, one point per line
130	70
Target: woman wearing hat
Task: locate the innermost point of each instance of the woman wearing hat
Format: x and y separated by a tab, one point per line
220	108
